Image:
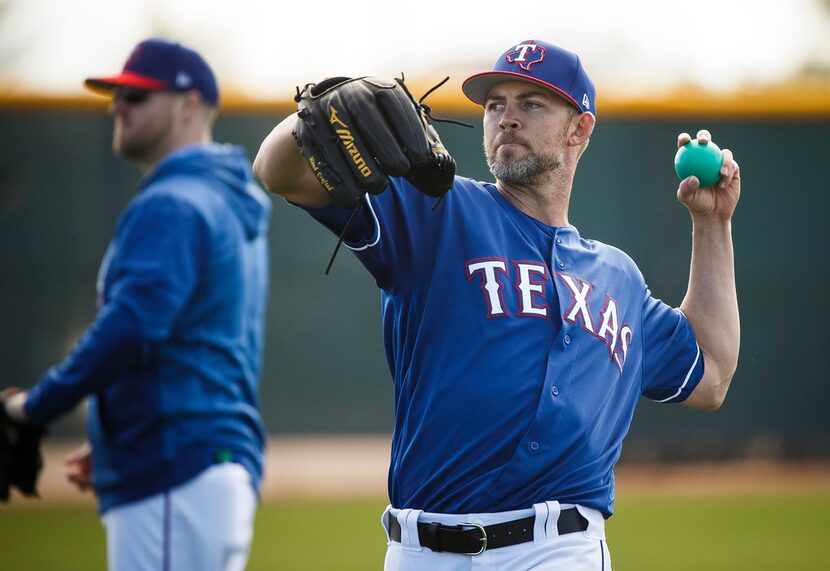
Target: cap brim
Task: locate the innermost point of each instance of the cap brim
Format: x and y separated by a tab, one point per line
476	87
124	79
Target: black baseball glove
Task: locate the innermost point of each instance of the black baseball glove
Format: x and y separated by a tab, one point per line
355	133
20	457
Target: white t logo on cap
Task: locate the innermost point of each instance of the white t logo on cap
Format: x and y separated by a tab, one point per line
522	49
585	103
521	55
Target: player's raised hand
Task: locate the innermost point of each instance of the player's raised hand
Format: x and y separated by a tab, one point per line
718	201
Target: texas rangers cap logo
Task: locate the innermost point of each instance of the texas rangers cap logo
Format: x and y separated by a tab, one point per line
525	55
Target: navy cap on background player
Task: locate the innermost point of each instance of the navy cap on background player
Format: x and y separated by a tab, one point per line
538	62
160	65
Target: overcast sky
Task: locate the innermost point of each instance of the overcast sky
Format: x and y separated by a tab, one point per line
263	48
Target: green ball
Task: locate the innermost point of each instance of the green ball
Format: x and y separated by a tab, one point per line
703	161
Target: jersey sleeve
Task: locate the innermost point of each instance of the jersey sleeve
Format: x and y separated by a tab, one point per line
160	245
108	348
387	232
672	359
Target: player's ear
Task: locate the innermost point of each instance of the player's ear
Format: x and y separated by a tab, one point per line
581	128
196	108
193	100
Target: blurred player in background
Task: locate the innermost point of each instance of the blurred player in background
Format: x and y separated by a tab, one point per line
172	361
518	348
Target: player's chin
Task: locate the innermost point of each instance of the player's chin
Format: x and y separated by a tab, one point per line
516	154
512	152
129	148
119	139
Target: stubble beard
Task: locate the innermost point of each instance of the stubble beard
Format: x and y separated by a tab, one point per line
526	170
135	146
529	169
125	145
140	141
523	170
130	152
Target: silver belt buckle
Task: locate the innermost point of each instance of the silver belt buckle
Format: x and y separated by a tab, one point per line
482	539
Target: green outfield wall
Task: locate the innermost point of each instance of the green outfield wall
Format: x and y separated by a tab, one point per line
61	191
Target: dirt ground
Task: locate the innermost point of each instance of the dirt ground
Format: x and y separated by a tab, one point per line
333	466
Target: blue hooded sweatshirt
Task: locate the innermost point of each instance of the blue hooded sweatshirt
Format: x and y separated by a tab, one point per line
173	358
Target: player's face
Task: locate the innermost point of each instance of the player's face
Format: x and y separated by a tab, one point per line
525	131
144	122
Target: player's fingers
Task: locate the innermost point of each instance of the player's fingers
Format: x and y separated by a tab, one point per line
80	453
688	187
72	473
374	127
682	139
82	483
79	473
727	169
704	137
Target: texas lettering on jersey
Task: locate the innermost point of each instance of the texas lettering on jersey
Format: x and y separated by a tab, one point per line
530	280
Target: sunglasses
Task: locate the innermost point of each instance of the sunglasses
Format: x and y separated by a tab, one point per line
131	96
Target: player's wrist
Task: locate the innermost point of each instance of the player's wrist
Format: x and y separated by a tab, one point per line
712	224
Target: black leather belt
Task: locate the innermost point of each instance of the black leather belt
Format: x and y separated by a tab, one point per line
474	539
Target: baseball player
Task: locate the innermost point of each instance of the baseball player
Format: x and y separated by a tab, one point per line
518	348
171	363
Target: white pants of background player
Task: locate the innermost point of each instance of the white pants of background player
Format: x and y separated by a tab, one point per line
549	551
206	524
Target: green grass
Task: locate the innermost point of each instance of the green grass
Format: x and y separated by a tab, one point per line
713	534
648	533
44	538
315	536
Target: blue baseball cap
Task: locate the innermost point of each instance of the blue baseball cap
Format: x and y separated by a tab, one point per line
160	65
537	62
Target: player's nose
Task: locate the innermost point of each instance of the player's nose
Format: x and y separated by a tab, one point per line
508	119
116	106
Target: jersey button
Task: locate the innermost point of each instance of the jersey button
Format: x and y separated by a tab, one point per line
561	264
534	446
554	390
567	339
558	240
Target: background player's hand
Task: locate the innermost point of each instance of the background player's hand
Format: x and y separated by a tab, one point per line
14	399
718	201
78	467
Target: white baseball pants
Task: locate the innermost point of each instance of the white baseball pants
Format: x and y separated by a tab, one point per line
206	524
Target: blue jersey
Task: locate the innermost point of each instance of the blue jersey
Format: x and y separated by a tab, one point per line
172	361
518	350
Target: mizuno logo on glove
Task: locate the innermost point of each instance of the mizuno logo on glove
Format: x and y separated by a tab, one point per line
347	139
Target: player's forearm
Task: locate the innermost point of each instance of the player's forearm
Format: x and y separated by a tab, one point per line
711	305
283	170
110	347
